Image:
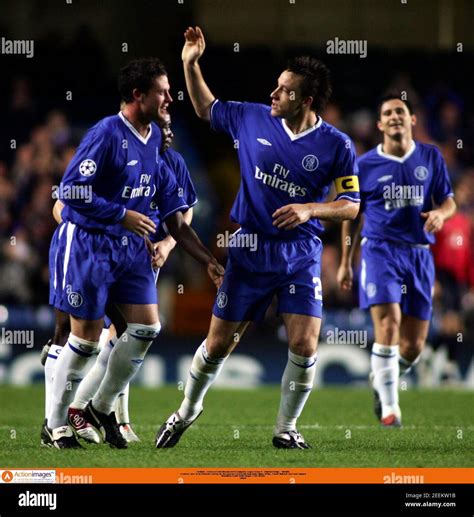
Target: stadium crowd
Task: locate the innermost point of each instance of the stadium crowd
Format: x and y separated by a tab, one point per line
37	147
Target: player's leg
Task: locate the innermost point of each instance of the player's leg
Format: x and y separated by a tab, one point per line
123	364
81	285
207	362
121	406
386	319
88	387
413	334
134	292
81	345
128	353
416	306
50	355
91	382
297	381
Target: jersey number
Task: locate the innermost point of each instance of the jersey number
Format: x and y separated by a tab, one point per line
318	288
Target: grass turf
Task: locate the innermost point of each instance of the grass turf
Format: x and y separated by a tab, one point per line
235	430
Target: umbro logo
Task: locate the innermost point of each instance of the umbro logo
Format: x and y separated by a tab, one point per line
263	141
132	162
385	178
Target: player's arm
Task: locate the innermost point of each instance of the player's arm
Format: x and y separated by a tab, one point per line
57	209
442	196
436	218
289	217
190	242
163	248
350	233
201	96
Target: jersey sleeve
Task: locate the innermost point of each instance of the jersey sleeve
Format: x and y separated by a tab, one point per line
442	185
226	116
88	164
185	182
168	197
345	172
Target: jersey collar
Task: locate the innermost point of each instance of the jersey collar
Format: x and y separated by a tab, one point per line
399	159
294	137
143	139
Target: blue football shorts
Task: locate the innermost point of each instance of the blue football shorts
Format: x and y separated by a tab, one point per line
397	273
87	269
253	276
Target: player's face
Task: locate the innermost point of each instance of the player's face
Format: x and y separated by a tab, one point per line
156	101
167	134
395	119
287	101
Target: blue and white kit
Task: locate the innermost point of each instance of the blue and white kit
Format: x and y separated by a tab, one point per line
397	265
96	258
279	168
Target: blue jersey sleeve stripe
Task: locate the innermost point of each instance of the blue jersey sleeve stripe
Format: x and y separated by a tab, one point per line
451	194
211	111
178	209
345	196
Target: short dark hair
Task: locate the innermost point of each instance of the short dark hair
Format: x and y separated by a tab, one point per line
139	73
391	96
316	79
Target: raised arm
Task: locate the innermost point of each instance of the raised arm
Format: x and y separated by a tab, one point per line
201	97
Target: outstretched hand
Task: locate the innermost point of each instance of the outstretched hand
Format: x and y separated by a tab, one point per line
215	272
194	45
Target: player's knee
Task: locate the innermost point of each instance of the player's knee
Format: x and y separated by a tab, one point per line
412	348
304	346
389	327
218	348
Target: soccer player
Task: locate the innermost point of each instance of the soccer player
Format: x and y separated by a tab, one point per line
406	197
163	245
288	159
107	190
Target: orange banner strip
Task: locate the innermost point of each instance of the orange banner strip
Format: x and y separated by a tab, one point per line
262	475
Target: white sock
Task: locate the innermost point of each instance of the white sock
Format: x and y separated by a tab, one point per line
405	365
201	375
91	382
296	385
121	406
384	362
67	375
124	362
49	366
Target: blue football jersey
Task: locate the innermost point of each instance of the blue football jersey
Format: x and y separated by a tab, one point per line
279	168
115	169
178	167
394	191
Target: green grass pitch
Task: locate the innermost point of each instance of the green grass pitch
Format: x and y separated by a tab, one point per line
235	430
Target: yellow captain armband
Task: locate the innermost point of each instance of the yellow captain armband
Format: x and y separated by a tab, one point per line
347	184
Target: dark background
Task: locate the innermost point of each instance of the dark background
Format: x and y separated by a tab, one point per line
78	48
